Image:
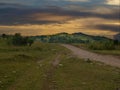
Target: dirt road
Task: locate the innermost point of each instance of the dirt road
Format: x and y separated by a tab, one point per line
107	59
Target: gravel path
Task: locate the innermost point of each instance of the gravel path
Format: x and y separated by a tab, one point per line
107	59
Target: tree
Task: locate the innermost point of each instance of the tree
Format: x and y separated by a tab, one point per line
30	41
116	42
4	36
19	40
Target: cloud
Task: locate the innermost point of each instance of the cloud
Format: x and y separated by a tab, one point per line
113	2
39	3
49	17
16	16
58	16
83	25
115	28
77	0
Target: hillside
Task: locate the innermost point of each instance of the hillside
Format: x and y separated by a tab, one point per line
70	38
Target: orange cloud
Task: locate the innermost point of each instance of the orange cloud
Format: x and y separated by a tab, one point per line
113	2
71	26
49	17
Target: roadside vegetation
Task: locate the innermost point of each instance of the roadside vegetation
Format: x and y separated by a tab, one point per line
29	67
110	47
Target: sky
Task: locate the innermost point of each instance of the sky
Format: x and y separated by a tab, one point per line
44	17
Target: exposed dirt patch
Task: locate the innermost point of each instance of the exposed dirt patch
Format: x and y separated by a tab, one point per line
56	61
49	83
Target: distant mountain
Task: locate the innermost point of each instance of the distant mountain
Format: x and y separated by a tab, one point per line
70	38
117	37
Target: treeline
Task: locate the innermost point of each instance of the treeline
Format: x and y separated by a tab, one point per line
17	39
92	42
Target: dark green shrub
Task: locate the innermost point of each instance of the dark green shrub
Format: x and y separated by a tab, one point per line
4	36
19	40
30	41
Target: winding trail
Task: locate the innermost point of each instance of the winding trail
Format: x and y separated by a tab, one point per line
107	59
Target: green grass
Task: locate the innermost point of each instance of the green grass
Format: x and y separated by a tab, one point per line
76	74
107	52
20	68
26	68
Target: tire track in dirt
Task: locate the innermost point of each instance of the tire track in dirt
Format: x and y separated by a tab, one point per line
49	83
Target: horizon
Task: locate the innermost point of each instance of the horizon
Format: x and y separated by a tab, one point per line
46	17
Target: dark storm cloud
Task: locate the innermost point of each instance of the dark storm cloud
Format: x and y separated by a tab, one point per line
13	5
115	28
12	16
22	15
8	4
37	3
55	2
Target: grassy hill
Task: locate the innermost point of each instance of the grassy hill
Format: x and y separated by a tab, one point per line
70	38
31	68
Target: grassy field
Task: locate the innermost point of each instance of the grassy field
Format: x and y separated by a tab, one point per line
30	68
80	75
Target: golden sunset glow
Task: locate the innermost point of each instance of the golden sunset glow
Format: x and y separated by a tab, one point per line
39	17
113	2
71	26
49	17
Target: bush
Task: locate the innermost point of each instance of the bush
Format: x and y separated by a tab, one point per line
19	40
30	41
4	36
